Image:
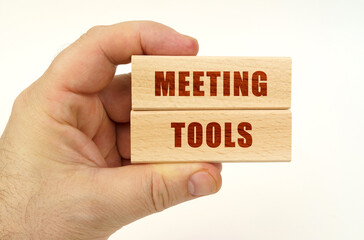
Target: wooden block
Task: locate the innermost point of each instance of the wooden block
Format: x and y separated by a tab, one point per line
188	82
210	136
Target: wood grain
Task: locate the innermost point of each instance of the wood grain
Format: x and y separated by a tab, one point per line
155	136
190	82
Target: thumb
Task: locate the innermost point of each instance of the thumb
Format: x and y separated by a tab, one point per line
135	191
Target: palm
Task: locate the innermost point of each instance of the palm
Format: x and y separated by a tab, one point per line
101	133
100	139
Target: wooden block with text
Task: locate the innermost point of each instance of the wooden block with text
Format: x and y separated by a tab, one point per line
210	136
210	109
189	82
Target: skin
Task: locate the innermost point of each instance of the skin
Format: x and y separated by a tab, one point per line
64	155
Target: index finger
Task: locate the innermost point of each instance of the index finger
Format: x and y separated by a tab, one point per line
89	64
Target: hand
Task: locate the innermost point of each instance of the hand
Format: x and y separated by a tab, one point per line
64	170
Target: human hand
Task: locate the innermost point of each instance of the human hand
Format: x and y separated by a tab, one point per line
64	170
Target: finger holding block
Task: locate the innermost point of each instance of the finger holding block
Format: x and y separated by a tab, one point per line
190	82
210	136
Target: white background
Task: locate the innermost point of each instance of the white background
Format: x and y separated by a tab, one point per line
320	194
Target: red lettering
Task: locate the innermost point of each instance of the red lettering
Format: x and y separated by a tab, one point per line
240	84
213	134
228	142
182	83
164	84
195	140
195	134
213	82
247	139
197	83
226	83
259	75
177	133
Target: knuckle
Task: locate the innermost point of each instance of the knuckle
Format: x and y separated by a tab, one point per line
92	33
94	30
20	100
159	193
28	102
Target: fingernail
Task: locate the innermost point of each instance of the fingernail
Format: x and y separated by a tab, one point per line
201	183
